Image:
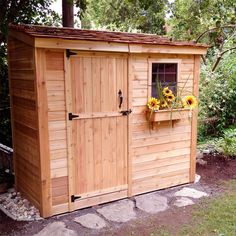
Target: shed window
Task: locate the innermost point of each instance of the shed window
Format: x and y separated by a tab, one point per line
166	75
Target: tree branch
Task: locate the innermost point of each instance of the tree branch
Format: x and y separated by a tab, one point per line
220	57
213	29
204	60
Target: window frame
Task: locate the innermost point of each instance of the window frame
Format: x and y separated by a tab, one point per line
167	61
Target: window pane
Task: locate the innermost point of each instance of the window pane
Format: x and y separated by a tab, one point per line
154	67
166	75
154	90
170	68
161	67
170	78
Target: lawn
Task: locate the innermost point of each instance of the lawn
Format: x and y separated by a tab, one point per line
212	217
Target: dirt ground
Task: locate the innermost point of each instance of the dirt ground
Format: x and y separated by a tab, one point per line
217	170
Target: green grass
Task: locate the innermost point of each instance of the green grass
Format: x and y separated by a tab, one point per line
215	217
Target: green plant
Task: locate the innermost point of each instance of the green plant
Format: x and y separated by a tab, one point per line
217	104
227	144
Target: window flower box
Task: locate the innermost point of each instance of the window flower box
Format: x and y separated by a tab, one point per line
169	114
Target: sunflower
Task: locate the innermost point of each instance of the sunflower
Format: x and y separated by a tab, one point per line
166	91
170	97
190	101
184	103
153	104
163	104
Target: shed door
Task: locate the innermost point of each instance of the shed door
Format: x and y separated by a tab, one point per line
99	134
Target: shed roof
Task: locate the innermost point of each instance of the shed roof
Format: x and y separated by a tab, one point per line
95	35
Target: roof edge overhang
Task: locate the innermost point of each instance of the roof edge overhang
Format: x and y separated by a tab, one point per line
56	42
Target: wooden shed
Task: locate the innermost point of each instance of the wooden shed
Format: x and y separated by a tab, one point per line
76	141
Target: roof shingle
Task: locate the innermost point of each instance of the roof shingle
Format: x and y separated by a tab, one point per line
95	35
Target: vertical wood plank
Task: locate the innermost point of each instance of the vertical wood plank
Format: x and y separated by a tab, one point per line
129	125
194	120
70	142
97	126
87	85
104	84
46	202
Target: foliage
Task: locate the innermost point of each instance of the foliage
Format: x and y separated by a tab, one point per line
25	11
21	11
190	18
227	144
128	15
217	98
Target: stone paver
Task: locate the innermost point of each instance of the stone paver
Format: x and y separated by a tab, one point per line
183	201
56	228
120	211
151	203
190	192
91	221
197	178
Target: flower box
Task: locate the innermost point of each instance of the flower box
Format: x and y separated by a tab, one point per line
169	114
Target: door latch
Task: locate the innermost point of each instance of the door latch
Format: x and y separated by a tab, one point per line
126	113
72	116
121	98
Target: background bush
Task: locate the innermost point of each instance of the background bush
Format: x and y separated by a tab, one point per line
217	107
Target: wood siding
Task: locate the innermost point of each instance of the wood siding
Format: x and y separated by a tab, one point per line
160	157
45	86
55	80
25	126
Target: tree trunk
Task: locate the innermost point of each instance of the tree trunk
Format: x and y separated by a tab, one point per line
67	13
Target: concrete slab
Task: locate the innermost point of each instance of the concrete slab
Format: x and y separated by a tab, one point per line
56	228
120	211
151	203
91	221
190	192
183	201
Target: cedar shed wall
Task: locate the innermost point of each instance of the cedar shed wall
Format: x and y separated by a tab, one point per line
25	126
157	159
164	156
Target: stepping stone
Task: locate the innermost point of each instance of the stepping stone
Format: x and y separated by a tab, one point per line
120	211
183	201
190	192
197	178
56	228
91	221
151	203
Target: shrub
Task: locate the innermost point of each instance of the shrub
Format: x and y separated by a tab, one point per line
227	144
217	106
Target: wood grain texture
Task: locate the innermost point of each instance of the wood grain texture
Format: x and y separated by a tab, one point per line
100	132
194	120
25	127
165	150
42	105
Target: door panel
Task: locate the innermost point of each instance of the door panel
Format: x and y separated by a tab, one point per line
100	132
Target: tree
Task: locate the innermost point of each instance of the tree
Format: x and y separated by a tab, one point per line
211	22
128	15
17	11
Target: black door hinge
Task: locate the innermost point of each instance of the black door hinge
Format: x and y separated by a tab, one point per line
70	53
74	197
126	113
72	116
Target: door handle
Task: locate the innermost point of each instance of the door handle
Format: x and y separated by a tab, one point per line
121	97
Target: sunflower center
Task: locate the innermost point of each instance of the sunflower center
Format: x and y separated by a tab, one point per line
190	102
153	104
